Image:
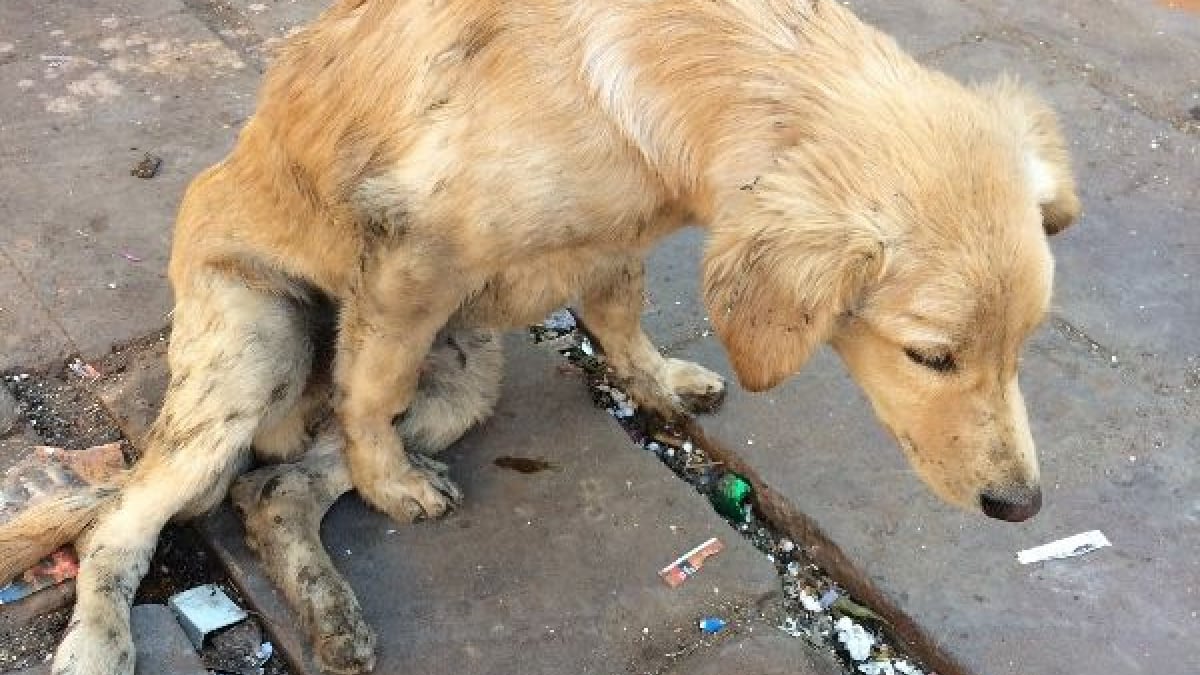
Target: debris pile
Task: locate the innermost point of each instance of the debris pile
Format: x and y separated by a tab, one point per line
220	632
47	471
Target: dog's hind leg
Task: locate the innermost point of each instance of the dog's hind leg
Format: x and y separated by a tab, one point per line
237	357
612	311
283	505
457	389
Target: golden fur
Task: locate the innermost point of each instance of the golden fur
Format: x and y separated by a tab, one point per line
431	172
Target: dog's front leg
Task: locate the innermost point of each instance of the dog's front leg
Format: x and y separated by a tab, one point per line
612	310
387	327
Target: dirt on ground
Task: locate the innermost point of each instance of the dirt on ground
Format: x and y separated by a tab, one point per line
55	407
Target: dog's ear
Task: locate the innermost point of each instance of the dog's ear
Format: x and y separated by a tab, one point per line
774	289
1047	163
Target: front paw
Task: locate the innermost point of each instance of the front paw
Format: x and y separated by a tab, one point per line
698	389
423	491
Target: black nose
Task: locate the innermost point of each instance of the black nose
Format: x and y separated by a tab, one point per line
1013	505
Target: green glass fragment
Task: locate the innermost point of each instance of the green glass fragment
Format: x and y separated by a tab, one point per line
730	495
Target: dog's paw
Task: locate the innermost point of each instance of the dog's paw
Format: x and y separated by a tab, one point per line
350	651
698	389
94	648
423	491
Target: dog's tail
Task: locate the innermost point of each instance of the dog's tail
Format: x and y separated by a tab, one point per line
47	525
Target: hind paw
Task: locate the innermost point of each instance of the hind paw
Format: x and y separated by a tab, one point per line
94	648
348	652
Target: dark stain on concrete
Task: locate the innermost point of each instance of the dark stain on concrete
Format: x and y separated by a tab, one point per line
524	465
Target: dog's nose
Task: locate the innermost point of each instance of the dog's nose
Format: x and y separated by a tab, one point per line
1013	505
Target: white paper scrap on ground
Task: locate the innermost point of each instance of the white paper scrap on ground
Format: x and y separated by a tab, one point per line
1078	545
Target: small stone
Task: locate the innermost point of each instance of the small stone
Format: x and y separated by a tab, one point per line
787	545
147	167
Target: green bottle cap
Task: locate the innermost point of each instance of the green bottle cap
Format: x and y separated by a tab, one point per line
730	495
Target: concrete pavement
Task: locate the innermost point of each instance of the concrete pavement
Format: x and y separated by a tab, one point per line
1112	380
89	89
547	572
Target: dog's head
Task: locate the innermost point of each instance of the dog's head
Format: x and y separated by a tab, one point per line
917	248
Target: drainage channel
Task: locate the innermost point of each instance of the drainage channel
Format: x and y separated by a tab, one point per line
826	599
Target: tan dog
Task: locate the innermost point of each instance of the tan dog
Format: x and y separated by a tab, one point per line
429	172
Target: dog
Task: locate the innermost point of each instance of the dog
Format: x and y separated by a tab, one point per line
421	175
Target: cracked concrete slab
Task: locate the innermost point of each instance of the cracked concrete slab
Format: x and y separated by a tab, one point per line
551	572
909	22
28	333
1145	52
760	650
88	94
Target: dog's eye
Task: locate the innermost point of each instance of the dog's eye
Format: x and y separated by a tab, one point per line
942	362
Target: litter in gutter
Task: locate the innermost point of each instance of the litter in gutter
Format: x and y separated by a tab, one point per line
815	608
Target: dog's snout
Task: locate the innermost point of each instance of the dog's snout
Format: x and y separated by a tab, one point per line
1013	505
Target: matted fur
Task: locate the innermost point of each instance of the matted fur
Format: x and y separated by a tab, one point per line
475	163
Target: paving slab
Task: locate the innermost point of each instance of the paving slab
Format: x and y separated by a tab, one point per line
1145	51
89	88
28	334
552	572
162	646
910	22
761	651
1111	382
275	19
134	383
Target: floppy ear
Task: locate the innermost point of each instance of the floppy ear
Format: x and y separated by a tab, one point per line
1048	166
774	290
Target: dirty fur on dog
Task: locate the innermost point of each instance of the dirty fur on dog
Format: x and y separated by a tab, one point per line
420	175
